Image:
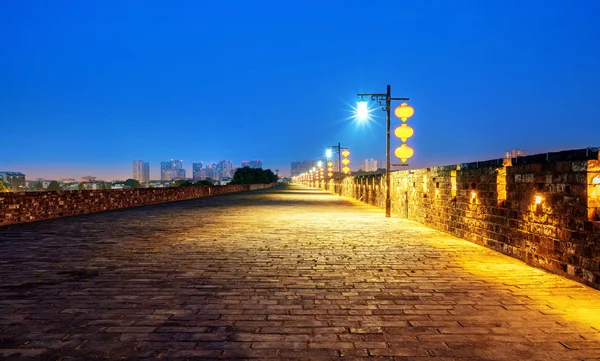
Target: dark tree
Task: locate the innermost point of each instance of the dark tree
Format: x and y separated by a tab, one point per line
81	186
203	183
54	186
133	183
182	183
249	175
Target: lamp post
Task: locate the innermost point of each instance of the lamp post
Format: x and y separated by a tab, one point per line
320	172
363	110
339	153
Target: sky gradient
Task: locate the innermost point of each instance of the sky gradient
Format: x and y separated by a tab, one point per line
87	87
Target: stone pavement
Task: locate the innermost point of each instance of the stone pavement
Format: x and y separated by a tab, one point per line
285	273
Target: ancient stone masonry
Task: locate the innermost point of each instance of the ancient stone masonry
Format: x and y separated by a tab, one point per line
29	207
542	209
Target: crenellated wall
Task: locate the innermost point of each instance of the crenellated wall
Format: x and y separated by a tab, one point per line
35	206
543	209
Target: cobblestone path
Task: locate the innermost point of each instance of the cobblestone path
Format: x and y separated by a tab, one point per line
285	273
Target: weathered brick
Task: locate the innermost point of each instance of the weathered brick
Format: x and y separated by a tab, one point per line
504	195
172	282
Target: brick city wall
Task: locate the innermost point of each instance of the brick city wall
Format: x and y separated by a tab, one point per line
542	209
35	206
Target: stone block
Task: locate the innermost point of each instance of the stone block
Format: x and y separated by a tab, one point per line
579	166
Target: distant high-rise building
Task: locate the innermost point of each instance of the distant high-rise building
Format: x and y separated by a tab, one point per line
211	172
197	171
224	169
15	179
256	163
304	166
245	163
370	165
141	171
172	170
514	153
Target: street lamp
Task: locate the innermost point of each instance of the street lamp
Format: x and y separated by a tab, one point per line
329	154
403	152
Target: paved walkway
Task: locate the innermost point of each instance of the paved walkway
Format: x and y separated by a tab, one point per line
289	273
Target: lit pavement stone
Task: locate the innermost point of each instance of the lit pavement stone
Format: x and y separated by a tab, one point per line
284	273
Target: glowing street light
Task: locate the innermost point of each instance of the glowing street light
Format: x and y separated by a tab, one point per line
404	111
362	110
329	154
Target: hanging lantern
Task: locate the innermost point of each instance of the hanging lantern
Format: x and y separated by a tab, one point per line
404	152
330	174
404	132
346	161
404	111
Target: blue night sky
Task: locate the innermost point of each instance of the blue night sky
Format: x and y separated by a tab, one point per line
86	87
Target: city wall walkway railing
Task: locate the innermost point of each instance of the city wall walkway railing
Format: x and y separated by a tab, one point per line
543	209
28	207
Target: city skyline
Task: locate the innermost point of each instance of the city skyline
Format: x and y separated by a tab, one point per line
89	87
124	171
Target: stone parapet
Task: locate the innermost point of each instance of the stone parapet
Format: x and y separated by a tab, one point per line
543	209
34	206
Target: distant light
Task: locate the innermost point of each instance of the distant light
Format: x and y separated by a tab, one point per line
362	110
538	199
328	153
319	164
473	195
